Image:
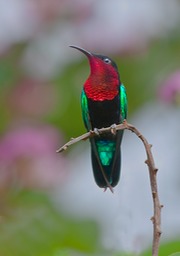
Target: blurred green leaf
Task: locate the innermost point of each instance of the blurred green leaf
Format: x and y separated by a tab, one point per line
32	226
166	249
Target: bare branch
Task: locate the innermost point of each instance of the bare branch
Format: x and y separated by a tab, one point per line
156	219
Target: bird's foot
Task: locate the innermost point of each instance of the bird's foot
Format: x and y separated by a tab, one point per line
95	131
113	129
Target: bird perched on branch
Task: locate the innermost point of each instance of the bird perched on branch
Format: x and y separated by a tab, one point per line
104	103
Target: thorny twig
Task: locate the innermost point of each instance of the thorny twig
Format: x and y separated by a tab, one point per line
156	219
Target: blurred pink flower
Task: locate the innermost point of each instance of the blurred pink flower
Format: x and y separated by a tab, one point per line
28	158
170	90
32	98
48	9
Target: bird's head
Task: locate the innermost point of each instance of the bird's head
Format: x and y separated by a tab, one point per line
104	78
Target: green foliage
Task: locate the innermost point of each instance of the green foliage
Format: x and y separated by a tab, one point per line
166	249
170	248
32	226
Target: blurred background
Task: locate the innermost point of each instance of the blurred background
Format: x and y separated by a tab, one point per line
49	203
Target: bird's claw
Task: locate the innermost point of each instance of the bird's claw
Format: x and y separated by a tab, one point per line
96	131
113	129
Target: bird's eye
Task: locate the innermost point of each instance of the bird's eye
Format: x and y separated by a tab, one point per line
107	61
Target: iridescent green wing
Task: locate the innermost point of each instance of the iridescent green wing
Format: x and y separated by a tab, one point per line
123	102
85	111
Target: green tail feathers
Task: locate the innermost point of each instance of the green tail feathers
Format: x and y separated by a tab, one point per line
106	150
106	159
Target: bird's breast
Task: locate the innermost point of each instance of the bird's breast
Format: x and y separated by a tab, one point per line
101	90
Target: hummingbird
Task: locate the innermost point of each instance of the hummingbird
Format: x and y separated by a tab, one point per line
104	104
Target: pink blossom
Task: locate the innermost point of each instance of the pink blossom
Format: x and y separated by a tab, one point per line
170	90
28	158
32	98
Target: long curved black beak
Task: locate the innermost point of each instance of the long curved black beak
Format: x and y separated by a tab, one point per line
88	54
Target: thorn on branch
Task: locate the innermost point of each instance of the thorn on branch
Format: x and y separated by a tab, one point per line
156	170
152	219
160	232
64	148
146	162
154	194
